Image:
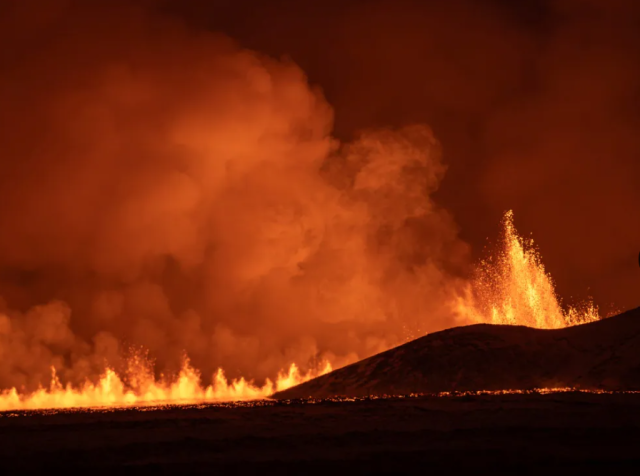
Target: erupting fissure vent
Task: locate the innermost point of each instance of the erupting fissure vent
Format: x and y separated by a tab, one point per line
511	287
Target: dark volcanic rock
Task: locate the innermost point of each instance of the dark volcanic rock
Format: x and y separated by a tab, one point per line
599	355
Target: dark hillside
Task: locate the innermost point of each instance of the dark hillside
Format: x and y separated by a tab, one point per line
598	355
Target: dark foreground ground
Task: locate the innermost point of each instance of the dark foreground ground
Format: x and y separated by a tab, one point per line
512	434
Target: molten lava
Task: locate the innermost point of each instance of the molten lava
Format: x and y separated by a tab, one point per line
511	288
143	389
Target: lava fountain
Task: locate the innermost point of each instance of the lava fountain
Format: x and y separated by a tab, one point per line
513	287
139	388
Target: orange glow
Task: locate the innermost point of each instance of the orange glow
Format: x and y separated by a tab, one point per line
141	389
335	399
514	288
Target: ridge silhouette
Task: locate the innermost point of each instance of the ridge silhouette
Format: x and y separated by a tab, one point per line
600	355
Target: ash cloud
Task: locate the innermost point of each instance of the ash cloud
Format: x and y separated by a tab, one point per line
163	187
535	104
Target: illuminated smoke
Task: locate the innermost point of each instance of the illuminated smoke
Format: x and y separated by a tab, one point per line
164	188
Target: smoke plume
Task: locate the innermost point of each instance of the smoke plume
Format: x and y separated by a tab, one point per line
535	103
165	189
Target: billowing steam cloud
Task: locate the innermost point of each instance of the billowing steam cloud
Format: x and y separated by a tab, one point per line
535	103
162	187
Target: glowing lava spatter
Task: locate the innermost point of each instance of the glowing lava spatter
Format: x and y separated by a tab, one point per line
143	389
513	287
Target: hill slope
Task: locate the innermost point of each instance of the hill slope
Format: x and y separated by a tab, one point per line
598	355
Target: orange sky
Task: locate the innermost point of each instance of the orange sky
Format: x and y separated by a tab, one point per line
295	183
